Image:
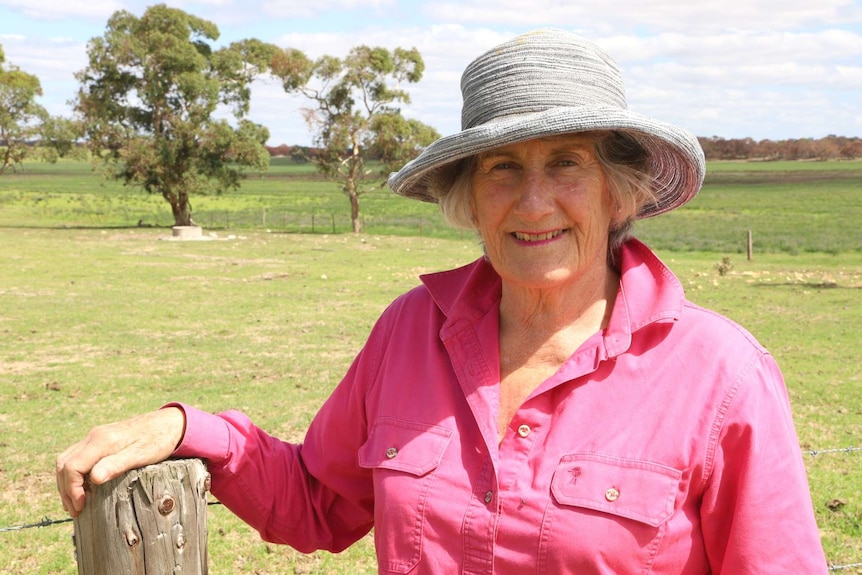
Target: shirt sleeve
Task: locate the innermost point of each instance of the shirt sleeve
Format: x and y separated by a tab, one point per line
757	515
310	496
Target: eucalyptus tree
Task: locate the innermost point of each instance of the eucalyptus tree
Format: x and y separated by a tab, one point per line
21	116
359	132
156	99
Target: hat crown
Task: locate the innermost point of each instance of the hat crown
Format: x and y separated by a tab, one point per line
539	71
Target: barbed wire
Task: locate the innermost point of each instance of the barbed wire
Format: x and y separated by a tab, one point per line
45	522
816	452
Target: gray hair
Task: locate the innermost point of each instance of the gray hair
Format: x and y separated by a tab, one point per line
624	160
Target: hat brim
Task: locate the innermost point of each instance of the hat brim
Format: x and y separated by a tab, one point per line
676	158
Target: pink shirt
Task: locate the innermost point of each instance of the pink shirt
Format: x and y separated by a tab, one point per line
664	445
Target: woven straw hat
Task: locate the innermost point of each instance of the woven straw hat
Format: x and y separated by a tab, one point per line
546	83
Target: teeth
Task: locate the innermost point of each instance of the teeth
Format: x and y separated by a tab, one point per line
537	237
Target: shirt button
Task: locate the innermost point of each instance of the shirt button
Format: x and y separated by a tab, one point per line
612	494
524	430
489	496
391	452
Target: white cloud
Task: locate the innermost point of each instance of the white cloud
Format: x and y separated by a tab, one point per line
607	16
53	10
281	9
49	59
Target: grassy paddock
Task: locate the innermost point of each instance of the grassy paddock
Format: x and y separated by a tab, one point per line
101	324
101	319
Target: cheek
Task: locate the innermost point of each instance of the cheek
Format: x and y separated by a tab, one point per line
485	214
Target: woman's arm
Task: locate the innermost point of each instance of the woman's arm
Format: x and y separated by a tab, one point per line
757	514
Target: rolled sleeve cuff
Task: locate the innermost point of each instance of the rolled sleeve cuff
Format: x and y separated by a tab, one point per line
207	436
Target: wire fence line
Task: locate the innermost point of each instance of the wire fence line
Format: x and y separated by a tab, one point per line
46	522
816	452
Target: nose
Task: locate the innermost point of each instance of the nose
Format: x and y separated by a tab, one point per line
535	199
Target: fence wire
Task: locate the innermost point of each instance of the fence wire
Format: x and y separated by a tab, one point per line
816	452
46	522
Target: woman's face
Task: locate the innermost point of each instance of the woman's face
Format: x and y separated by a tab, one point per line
544	212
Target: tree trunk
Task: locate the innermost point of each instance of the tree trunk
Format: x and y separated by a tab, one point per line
180	207
350	188
149	521
182	214
354	212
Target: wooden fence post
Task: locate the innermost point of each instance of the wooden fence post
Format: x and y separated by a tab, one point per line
750	246
150	521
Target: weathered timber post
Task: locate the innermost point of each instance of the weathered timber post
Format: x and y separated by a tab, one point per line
750	246
150	521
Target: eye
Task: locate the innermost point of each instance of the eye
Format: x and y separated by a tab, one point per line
502	165
569	160
496	163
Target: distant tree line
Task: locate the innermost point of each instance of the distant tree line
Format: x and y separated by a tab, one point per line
715	148
828	148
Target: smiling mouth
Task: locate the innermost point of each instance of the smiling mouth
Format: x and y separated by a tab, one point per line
542	237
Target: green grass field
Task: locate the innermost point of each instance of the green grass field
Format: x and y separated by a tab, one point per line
100	320
790	207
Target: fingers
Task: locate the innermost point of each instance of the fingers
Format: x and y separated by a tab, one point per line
70	483
110	450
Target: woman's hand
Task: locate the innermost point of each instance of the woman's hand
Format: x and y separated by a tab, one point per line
110	450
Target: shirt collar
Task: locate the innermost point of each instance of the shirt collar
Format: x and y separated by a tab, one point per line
649	293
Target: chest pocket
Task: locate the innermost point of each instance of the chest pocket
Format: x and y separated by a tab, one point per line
606	514
403	456
640	490
414	448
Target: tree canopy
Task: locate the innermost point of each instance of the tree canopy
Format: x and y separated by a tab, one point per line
21	116
358	129
148	100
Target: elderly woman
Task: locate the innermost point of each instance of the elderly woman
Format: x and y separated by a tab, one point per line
557	406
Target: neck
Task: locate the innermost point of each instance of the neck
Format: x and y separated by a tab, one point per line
541	329
581	306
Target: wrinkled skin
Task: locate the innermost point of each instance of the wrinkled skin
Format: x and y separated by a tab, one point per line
110	450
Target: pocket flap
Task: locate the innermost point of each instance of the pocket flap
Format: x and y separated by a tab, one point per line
640	490
414	448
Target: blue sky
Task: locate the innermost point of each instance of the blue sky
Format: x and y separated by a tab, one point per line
773	69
